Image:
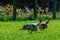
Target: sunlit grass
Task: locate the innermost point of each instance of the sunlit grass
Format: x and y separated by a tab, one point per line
10	31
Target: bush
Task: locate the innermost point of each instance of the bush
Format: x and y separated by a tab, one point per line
2	17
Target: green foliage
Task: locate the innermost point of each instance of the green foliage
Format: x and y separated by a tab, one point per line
2	17
24	17
7	15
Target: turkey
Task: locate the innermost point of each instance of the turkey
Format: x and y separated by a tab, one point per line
30	27
44	25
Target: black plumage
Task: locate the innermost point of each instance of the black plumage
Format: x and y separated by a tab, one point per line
30	27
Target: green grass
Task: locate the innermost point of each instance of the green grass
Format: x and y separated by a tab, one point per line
10	31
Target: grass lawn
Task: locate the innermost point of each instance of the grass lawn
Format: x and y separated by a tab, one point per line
10	31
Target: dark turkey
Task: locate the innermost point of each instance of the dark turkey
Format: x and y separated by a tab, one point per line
44	25
30	27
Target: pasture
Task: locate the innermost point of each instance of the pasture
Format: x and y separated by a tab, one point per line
10	31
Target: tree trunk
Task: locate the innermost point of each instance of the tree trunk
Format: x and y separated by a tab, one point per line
14	10
54	9
35	9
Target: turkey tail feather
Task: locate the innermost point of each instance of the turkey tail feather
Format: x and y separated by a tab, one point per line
47	21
